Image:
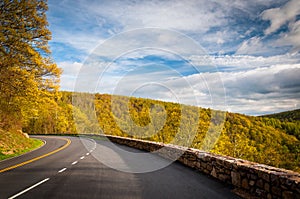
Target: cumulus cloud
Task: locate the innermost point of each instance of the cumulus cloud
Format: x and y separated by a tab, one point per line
268	89
280	16
285	15
292	37
69	75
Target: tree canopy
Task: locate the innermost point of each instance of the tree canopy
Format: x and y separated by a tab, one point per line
27	73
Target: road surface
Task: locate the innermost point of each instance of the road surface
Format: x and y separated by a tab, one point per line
67	167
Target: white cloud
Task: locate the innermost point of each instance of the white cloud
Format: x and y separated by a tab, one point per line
244	62
292	37
135	42
180	15
285	15
82	41
70	68
253	46
270	89
70	72
282	15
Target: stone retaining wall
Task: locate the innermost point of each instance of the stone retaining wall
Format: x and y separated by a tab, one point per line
249	178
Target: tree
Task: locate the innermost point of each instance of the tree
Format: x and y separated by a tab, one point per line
27	73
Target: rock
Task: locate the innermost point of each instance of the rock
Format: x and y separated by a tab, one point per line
203	165
214	173
235	179
253	176
287	195
251	182
276	191
223	177
245	184
209	167
267	187
260	183
269	196
24	134
264	176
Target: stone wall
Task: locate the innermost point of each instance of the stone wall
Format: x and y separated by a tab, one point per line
250	179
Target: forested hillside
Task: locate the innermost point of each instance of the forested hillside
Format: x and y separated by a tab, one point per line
290	116
260	139
289	121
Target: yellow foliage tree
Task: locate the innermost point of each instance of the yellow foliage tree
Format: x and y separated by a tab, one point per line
28	76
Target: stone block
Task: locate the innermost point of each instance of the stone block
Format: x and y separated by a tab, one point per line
228	164
267	187
276	191
265	176
214	173
287	195
259	192
209	166
227	172
206	171
198	166
236	179
191	164
203	165
253	177
224	177
260	183
245	183
269	196
251	182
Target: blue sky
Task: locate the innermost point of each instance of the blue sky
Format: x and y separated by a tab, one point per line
236	55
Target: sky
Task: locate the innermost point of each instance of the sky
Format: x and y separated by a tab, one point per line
234	55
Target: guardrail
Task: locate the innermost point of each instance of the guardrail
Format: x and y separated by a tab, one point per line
251	180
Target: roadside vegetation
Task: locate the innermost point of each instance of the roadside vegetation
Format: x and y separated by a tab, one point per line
28	77
14	143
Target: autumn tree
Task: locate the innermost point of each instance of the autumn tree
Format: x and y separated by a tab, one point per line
27	73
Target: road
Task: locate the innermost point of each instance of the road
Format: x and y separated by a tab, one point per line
64	169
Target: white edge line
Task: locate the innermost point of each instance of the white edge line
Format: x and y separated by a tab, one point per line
29	188
74	162
62	170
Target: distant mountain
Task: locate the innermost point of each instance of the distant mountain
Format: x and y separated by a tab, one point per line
291	116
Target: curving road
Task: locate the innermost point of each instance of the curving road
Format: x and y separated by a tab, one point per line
70	167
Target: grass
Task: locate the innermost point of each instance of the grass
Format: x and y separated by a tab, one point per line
15	143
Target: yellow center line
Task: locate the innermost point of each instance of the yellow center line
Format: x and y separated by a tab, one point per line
39	157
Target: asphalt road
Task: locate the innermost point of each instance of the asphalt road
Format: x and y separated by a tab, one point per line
77	171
